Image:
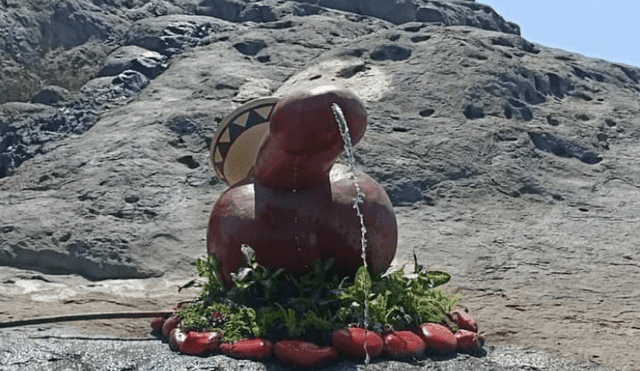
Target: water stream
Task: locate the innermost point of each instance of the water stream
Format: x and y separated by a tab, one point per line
348	148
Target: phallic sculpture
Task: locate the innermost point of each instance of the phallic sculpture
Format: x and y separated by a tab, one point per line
292	204
288	199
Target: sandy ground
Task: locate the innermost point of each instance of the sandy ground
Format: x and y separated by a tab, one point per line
603	334
70	295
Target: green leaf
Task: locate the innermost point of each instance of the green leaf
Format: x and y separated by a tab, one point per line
417	267
266	318
363	279
248	256
434	278
311	319
290	321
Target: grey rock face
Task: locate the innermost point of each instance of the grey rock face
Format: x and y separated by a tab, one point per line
36	35
262	11
132	57
521	92
33	29
227	9
25	137
390	52
18	85
94	258
39	38
549	143
72	23
170	34
50	95
415	82
447	13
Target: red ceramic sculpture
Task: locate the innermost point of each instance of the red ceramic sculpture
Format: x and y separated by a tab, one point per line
296	205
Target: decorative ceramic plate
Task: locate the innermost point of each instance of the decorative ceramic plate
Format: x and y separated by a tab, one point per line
237	141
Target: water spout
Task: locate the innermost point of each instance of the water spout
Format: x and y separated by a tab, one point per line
348	147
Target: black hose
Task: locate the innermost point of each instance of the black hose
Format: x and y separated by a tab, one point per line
85	317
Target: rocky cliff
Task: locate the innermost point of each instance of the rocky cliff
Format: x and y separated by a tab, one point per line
512	166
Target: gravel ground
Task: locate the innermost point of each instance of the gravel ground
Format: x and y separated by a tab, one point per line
63	349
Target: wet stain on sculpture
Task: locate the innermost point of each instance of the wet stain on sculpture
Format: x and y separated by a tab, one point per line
296	204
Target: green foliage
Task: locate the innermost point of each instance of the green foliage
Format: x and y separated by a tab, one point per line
267	317
209	268
235	323
262	301
396	300
294	328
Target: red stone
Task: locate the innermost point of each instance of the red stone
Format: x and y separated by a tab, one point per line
438	338
303	353
198	343
468	341
351	341
403	344
156	324
463	320
176	338
168	325
253	348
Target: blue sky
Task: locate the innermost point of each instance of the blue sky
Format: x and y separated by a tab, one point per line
606	29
